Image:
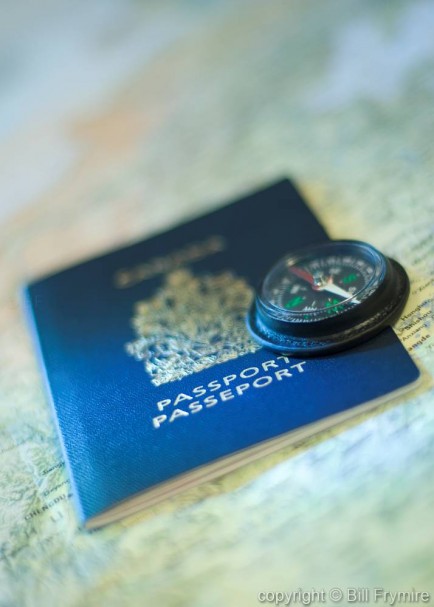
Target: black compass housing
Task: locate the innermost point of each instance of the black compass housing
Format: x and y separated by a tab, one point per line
307	332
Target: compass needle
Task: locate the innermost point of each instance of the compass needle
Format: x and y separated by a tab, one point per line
332	288
302	274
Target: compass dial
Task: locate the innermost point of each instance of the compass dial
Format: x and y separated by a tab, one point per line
327	297
313	287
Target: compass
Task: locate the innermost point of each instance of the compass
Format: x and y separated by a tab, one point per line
326	298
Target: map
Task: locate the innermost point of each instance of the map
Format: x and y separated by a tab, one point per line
119	119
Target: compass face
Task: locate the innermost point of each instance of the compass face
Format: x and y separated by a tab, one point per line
323	282
326	298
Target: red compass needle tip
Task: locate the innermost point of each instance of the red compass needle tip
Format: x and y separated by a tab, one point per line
302	274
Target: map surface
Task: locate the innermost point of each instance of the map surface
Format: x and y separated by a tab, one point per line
119	119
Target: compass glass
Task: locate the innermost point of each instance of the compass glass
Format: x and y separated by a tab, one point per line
322	282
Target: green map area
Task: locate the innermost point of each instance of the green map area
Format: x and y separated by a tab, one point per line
123	118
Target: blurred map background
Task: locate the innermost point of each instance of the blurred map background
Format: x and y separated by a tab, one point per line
119	118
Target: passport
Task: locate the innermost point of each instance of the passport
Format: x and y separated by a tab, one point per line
154	381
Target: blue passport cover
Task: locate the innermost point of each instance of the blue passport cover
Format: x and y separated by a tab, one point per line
149	366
